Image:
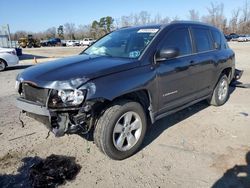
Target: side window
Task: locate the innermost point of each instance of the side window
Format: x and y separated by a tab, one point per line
217	38
202	39
224	44
180	39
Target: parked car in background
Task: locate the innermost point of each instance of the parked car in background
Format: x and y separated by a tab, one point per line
87	42
52	42
72	43
8	57
233	37
227	37
244	38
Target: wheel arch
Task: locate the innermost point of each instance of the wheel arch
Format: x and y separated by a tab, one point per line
228	72
4	61
142	96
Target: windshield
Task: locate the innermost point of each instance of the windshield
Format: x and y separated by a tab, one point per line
126	43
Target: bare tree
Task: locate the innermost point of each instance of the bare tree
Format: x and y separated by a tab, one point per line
83	31
19	34
244	23
246	12
215	15
165	20
194	15
234	21
176	18
157	19
50	32
70	29
144	17
126	21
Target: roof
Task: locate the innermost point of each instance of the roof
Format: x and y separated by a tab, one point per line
160	26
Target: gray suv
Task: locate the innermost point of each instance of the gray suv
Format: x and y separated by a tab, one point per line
127	80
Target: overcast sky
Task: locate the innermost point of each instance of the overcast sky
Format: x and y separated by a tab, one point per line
39	15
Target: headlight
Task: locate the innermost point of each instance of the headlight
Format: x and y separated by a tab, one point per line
75	97
66	98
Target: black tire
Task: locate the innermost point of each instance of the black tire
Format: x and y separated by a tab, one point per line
217	98
105	137
3	65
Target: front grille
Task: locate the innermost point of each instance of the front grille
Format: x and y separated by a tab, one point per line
35	94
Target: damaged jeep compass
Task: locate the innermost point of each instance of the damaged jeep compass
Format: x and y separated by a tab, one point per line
127	80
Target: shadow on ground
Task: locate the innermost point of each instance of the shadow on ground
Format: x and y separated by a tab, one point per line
36	172
163	124
236	177
17	67
30	56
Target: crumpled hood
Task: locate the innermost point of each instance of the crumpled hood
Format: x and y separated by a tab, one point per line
75	70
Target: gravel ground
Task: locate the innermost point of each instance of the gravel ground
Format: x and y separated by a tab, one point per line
192	148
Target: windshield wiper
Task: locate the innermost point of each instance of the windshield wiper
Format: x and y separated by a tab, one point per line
83	53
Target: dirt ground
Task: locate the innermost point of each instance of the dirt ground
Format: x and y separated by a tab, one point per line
192	148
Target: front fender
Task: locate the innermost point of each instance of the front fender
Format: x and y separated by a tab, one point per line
115	85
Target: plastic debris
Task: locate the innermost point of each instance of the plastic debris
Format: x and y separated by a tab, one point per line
51	172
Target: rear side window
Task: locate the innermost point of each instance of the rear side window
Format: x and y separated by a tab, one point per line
217	39
220	39
179	38
202	39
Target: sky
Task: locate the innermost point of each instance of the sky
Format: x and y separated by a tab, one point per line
39	15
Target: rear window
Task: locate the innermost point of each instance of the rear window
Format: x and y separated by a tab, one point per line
202	39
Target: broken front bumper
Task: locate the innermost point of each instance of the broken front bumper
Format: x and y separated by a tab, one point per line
32	107
59	122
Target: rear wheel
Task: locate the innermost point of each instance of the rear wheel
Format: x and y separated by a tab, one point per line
120	130
221	92
3	65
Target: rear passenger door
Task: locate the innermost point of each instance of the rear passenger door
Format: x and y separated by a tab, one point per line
203	65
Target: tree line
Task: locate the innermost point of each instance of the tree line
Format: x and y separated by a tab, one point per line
239	22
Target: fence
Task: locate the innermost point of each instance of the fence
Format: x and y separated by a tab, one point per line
5	40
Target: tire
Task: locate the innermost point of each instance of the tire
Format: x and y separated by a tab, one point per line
221	92
3	65
119	138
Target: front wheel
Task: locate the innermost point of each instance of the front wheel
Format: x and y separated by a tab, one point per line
2	65
120	130
221	92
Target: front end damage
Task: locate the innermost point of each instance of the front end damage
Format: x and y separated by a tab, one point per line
63	111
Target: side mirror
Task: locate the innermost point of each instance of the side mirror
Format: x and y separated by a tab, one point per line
167	53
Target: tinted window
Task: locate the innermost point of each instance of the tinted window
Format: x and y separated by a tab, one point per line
180	39
217	38
224	44
202	39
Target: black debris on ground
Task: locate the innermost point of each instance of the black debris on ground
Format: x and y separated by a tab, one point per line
51	172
